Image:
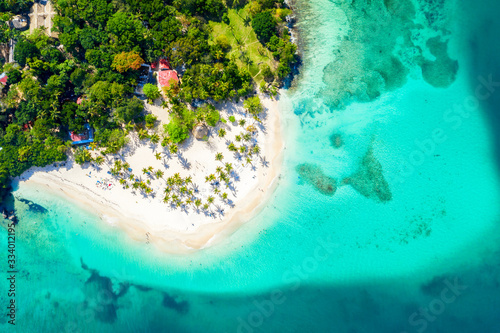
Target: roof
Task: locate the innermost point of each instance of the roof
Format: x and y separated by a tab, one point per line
86	137
200	131
166	76
164	64
3	78
19	22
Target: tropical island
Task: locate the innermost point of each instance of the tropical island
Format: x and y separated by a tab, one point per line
161	114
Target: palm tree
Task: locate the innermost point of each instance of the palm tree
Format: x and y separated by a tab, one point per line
177	178
93	145
166	199
155	138
222	176
228	167
99	160
118	164
205	206
167	190
173	149
150	168
247	136
224	195
219	54
188	201
219	157
216	190
218	170
210	199
144	170
256	149
222	132
126	166
143	134
243	149
232	147
249	160
128	127
159	173
188	180
158	156
238	138
242	122
197	203
131	176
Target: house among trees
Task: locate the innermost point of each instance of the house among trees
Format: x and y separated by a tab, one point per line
166	75
86	137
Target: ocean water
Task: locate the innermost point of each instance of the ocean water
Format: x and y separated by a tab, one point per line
386	218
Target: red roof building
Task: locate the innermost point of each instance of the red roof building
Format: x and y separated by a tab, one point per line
164	64
3	79
78	137
166	77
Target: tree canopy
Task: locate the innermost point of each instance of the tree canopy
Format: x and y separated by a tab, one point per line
264	26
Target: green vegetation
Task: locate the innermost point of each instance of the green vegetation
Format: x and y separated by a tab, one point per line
253	106
105	43
264	26
151	91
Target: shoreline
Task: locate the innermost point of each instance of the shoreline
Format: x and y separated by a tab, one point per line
160	226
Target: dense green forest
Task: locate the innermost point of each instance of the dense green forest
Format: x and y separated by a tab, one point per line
100	46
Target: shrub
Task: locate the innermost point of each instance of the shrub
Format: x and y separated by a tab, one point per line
151	91
150	120
177	131
264	26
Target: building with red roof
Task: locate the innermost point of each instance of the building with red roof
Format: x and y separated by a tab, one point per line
166	77
164	64
82	138
3	79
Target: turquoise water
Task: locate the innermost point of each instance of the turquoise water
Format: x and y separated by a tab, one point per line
392	227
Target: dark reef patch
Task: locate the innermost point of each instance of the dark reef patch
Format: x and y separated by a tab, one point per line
369	180
100	296
314	176
336	140
442	72
34	207
171	302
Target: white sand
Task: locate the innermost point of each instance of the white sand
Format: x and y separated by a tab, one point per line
149	219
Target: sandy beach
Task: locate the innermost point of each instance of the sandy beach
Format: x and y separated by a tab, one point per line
148	218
